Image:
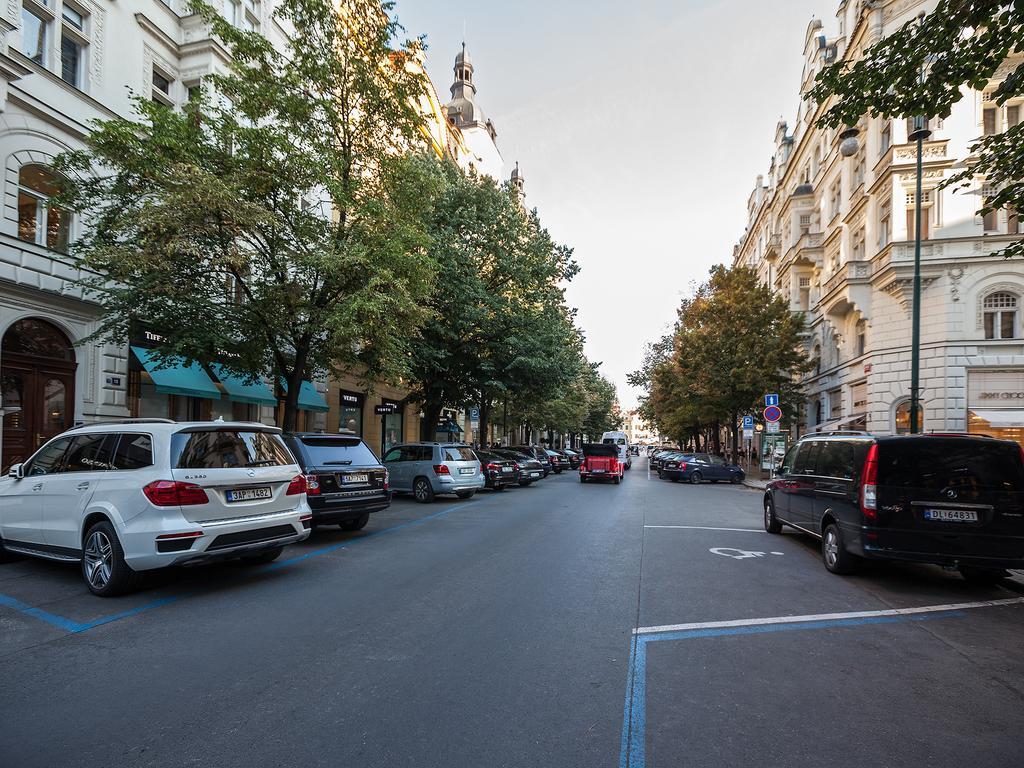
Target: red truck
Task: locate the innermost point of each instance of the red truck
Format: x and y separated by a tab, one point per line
601	461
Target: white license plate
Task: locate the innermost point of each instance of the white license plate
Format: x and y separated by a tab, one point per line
952	515
249	494
535	474
346	479
597	471
507	469
467	471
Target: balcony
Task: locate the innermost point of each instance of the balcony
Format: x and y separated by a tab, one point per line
807	249
905	155
848	289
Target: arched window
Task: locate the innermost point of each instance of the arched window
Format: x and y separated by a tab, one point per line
1000	310
39	221
902	418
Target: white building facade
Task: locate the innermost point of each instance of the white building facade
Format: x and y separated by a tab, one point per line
835	234
63	65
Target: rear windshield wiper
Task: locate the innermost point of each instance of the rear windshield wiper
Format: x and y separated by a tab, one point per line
344	463
263	463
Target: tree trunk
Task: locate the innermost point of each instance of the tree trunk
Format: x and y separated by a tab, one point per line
735	441
431	415
716	436
291	400
485	419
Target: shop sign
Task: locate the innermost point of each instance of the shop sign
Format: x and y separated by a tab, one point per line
353	399
1001	396
385	408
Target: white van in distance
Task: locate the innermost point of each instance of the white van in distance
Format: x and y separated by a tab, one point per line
619	440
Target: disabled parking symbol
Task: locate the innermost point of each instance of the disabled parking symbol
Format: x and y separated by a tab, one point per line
739	554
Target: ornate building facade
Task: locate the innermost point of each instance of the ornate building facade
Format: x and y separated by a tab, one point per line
834	235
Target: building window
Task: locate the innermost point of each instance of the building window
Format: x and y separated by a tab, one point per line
1000	315
1012	221
251	17
926	199
857	251
835	404
39	221
34	30
73	44
162	87
862	338
902	418
886	138
859	170
989	219
233	12
989	120
884	223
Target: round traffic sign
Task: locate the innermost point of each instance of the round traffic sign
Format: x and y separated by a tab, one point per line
772	413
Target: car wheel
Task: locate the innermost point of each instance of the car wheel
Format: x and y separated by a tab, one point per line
422	491
103	566
696	477
982	576
465	494
499	487
771	522
262	558
356	524
833	551
618	479
735	479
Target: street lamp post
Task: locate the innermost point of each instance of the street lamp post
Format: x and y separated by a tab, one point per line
919	134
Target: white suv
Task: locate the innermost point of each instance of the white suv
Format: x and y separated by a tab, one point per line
130	496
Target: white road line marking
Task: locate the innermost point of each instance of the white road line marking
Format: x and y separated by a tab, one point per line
707	528
826	616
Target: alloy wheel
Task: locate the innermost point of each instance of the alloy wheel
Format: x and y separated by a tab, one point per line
831	548
99	554
420	492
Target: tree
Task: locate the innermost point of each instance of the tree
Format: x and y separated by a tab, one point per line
498	327
922	69
734	341
274	224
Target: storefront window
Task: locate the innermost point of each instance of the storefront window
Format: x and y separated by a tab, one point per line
903	418
391	424
151	404
351	417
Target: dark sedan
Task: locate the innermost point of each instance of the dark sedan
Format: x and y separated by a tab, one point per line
574	458
345	481
559	462
698	467
499	471
530	470
539	454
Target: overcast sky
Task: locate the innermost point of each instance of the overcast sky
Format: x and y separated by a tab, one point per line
640	128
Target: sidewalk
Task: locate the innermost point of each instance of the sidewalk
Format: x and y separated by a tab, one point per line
755	482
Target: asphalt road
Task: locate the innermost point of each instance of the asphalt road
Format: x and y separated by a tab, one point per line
500	632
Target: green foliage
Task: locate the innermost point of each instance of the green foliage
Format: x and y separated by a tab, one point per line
734	342
923	68
498	327
275	224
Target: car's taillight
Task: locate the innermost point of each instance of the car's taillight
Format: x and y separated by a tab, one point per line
441	469
312	485
869	485
492	467
170	493
297	485
682	465
387	479
516	466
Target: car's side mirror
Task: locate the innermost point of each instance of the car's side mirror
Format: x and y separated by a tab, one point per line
17	471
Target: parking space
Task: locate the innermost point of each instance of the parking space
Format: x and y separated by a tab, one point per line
42	600
750	653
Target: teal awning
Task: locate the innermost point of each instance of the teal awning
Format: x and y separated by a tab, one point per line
242	390
177	378
309	398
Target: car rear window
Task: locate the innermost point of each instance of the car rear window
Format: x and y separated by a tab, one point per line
134	452
227	448
343	451
459	453
965	465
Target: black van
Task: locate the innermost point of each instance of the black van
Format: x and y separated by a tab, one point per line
954	500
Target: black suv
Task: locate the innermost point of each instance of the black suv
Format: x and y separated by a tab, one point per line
345	481
954	500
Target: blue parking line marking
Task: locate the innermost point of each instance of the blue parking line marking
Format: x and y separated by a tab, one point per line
633	744
74	627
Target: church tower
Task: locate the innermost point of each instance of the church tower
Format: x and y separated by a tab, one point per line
465	113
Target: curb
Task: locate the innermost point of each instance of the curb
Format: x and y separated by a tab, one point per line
757	485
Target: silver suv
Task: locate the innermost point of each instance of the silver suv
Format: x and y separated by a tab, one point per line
427	469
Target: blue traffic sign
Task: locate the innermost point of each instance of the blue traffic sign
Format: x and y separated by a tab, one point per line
748	422
474	414
771	400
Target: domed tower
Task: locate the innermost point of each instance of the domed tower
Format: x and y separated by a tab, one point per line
518	183
464	113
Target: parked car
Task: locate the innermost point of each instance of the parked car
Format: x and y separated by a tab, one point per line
499	471
530	470
698	467
658	456
559	462
345	481
669	460
952	500
621	440
539	454
601	462
130	496
574	458
427	469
